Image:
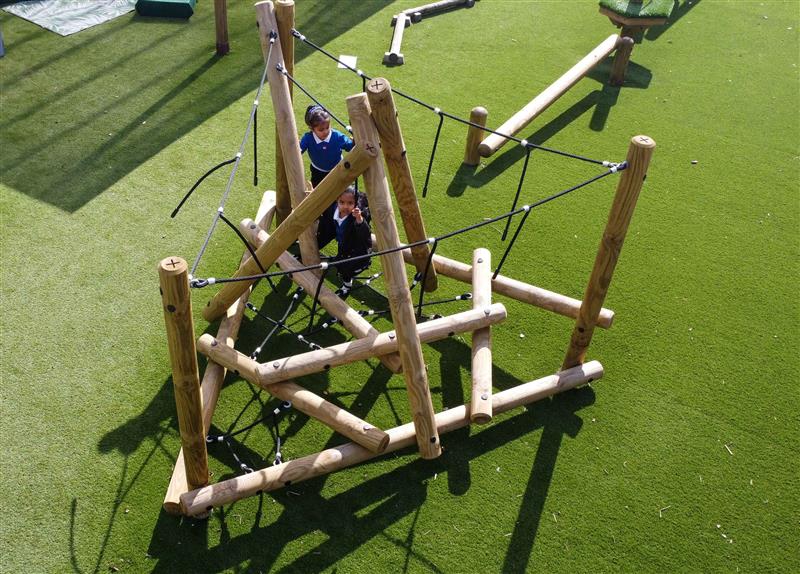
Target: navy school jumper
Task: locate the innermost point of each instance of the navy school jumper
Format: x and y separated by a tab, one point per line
356	239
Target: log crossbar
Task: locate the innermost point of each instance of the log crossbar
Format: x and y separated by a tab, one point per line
200	501
345	353
524	292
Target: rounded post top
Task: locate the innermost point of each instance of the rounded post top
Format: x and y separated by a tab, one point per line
643	141
378	85
284	3
172	266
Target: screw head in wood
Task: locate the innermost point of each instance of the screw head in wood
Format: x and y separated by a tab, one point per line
276	364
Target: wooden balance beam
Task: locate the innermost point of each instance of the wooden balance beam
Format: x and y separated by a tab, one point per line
540	103
201	501
344	353
417	14
337	418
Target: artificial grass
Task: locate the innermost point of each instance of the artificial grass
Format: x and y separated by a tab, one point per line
632	474
640	9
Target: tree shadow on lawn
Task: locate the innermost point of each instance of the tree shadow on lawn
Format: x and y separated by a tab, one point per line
92	126
601	100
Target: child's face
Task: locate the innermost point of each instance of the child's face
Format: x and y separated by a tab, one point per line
346	203
322	130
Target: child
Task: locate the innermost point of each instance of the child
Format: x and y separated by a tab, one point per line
324	144
345	221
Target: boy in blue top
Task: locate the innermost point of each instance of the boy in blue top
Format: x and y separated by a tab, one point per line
324	144
345	221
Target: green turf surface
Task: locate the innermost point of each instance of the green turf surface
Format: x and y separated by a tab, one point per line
640	9
690	435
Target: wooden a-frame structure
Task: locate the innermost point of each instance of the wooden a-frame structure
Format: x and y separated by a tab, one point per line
379	143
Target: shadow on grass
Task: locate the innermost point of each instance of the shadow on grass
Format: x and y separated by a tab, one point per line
600	100
679	10
129	89
390	497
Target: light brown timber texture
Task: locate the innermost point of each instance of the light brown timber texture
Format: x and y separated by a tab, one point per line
357	325
286	127
478	116
398	293
200	501
630	184
298	221
311	404
173	273
502	285
361	349
384	113
284	15
540	103
481	402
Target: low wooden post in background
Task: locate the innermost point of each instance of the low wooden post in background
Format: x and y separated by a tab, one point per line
384	113
398	293
478	116
173	273
630	184
621	58
284	16
481	403
221	26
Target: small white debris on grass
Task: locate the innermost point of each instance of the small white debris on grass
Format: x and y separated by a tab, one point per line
554	518
435	475
730	452
507	535
694	162
522	335
661	510
498	469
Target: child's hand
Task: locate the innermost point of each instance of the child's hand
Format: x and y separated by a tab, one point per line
358	216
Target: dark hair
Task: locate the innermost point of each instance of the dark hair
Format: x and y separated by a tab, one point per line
352	191
315	115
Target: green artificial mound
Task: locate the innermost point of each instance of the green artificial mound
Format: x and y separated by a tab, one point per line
646	9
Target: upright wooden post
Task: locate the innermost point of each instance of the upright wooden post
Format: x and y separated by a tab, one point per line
221	25
286	126
621	58
384	113
481	403
399	295
173	273
630	184
478	116
284	15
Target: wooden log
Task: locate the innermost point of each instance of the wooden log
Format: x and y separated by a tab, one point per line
384	113
524	292
621	59
540	103
286	127
481	402
371	438
221	26
303	216
173	273
357	325
394	56
284	16
419	12
214	374
352	351
630	184
478	116
398	293
201	501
